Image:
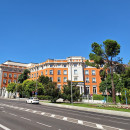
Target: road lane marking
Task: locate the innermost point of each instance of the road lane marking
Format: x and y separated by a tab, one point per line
27	109
73	120
4	127
43	113
80	122
43	124
65	118
34	111
12	114
52	115
99	126
25	118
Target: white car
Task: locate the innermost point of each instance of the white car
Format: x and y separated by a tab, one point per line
33	100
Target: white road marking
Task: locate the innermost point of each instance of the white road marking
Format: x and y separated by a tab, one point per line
34	111
99	126
25	118
42	113
4	127
43	124
27	109
80	122
12	114
1	107
21	108
52	115
65	118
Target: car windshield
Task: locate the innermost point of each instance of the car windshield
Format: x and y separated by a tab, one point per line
35	98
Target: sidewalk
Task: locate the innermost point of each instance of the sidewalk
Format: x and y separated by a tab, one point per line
102	111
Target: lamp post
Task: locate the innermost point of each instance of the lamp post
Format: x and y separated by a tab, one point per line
71	84
36	82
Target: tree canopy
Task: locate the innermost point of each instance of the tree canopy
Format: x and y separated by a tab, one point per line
24	76
106	55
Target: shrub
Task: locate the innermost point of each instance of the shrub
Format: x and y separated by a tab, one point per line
98	97
43	97
123	96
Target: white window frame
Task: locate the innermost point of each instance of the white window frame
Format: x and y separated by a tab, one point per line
51	72
64	72
76	72
94	86
5	75
58	72
93	73
65	79
94	81
58	79
87	72
87	81
88	86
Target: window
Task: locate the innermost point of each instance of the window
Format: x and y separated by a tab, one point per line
10	75
5	74
4	81
9	81
14	81
41	73
94	80
65	72
15	76
86	72
64	65
59	87
51	78
75	78
51	72
65	79
37	74
87	79
58	72
75	65
87	90
75	72
46	72
51	65
94	90
58	79
93	72
32	75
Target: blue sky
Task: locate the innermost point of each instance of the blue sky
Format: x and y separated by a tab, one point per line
35	30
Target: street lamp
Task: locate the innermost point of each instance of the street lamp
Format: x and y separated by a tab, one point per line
71	83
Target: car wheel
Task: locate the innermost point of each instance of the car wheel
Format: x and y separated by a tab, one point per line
26	101
31	102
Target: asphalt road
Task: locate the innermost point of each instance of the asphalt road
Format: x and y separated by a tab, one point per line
17	115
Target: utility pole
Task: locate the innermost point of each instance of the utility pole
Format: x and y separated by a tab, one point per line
71	84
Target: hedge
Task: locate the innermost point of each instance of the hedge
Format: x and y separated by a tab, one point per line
43	97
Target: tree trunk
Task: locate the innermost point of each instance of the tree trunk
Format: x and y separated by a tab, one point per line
113	87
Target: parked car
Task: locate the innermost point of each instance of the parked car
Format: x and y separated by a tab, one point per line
32	100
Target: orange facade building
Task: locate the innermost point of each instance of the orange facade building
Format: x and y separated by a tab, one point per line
72	68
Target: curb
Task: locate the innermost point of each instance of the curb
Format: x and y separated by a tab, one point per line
102	111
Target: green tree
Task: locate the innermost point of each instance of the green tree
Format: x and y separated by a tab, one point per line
11	87
66	95
44	79
24	76
29	86
106	55
52	91
107	84
126	78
